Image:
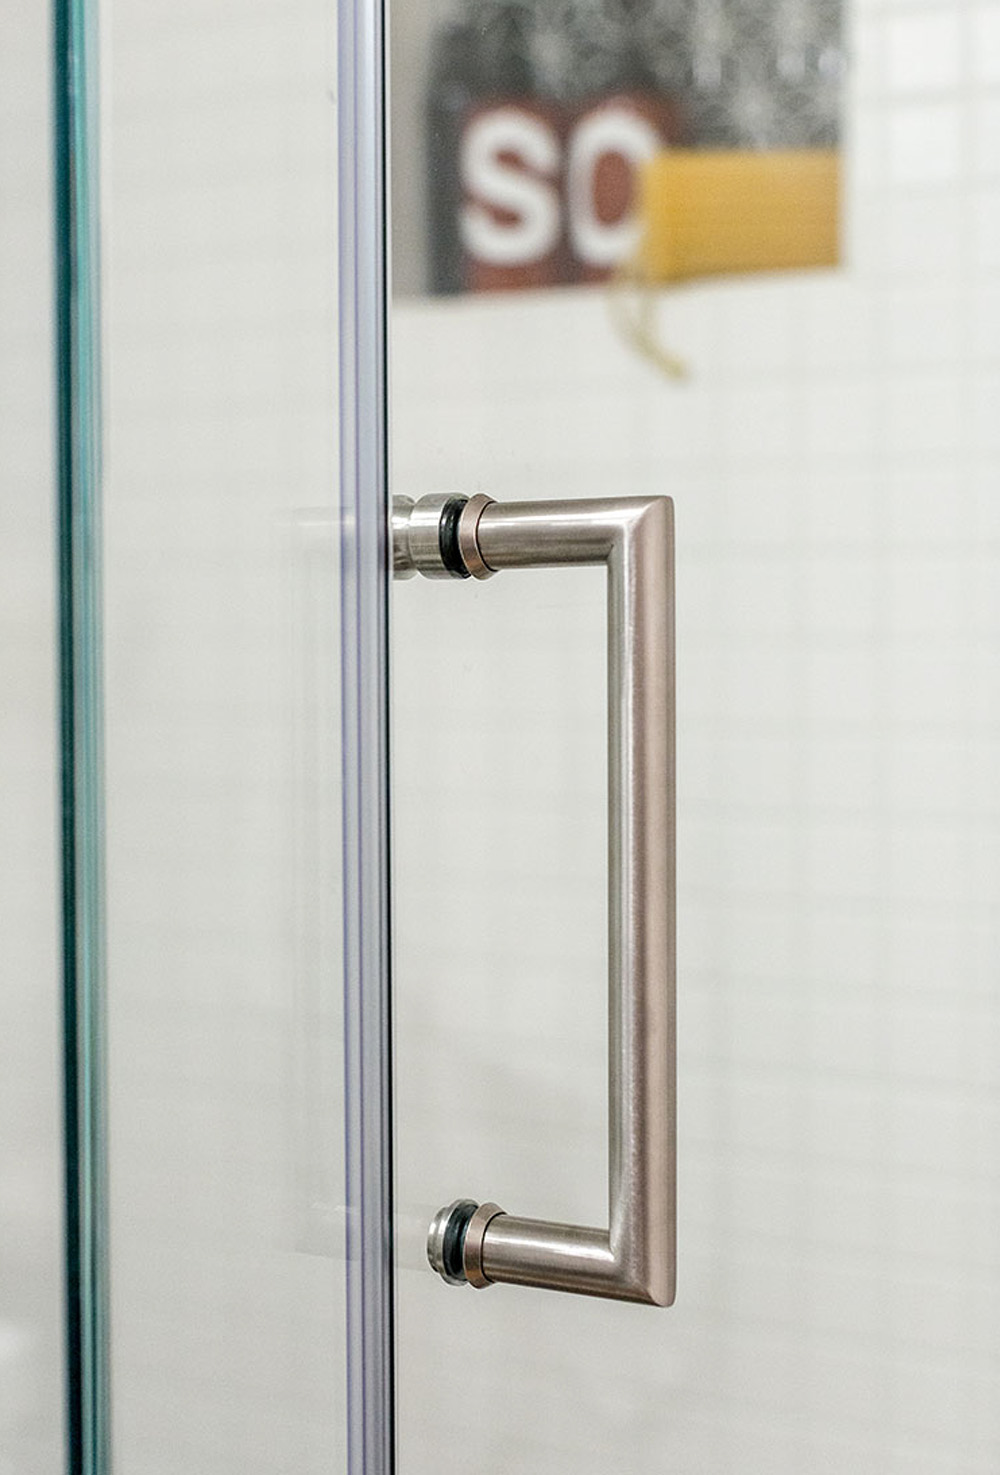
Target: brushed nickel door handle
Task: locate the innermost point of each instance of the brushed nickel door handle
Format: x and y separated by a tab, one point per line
633	1259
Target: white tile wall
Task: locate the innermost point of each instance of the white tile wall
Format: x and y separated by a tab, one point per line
31	1395
834	463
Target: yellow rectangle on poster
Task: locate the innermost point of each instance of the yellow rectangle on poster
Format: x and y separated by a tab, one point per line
712	212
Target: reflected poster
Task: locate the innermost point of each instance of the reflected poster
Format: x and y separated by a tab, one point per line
567	143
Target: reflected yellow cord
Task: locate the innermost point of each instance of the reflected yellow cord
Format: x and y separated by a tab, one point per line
632	304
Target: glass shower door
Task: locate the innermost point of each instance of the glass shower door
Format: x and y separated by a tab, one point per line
810	373
822	418
223	665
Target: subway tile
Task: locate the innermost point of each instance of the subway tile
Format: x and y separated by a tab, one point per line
925	145
924	50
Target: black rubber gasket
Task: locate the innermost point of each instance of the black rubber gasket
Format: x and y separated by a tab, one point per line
451	555
454	1240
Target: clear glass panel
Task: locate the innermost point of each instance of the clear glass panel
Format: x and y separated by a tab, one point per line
31	1277
223	748
833	456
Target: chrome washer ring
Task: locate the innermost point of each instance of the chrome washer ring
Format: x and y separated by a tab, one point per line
472	1252
468	536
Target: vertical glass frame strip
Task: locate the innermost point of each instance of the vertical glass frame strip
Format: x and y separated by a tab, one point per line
365	708
78	402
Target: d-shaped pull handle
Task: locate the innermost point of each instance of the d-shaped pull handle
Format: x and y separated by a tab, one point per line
634	1258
